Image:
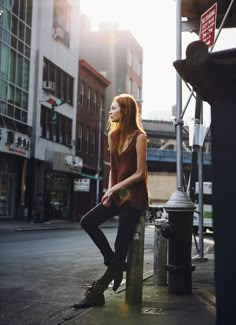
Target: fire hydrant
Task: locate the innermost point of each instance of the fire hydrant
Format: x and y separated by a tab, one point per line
178	231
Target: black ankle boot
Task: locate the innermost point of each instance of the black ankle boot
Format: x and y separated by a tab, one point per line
93	297
113	272
118	277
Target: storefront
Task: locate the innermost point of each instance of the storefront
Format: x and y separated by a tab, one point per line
59	185
14	151
58	194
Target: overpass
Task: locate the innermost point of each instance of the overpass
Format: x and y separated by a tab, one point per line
169	156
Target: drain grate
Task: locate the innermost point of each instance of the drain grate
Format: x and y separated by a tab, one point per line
154	311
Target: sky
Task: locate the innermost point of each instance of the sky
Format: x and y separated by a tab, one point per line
152	23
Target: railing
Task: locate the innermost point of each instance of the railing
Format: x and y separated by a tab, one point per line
154	154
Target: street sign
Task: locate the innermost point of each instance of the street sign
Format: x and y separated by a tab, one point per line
82	185
208	26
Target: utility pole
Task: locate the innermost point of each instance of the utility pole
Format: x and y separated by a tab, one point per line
179	122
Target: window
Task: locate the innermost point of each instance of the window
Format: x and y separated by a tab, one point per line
12	69
57	82
102	103
93	143
95	98
19	70
3	90
68	131
15	42
5	54
29	12
82	88
86	143
130	61
140	68
89	99
139	94
61	22
61	132
80	137
130	86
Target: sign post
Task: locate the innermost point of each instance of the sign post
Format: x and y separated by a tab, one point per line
208	26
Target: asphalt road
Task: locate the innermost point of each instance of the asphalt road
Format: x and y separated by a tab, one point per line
44	272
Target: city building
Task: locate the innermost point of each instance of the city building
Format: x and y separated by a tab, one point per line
90	137
54	74
15	116
161	159
39	48
118	56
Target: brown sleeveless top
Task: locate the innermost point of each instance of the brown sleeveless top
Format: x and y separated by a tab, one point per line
122	166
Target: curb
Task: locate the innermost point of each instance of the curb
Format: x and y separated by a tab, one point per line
52	227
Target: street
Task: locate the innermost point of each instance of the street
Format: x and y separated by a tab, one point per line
44	272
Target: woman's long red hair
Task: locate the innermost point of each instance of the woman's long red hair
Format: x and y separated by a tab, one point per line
129	122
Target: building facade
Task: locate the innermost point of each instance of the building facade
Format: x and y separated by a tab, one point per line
118	56
15	126
39	48
89	137
53	85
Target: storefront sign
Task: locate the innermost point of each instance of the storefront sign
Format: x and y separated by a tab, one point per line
64	163
82	185
15	143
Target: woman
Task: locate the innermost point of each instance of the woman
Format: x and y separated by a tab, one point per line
126	195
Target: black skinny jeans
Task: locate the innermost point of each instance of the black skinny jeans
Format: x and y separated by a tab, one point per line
128	220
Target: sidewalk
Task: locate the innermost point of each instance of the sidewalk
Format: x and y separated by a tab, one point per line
158	307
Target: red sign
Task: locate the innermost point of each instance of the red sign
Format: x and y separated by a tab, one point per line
208	26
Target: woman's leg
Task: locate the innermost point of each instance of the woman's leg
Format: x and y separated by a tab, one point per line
91	221
128	221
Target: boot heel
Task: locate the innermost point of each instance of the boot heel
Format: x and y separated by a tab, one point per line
117	280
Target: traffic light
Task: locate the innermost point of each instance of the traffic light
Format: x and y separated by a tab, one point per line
53	115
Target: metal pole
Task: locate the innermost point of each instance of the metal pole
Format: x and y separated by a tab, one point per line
134	276
179	153
99	154
200	190
200	203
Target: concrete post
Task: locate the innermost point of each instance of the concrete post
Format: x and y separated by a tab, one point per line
134	275
160	255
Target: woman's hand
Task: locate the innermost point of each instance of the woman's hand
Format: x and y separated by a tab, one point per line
107	198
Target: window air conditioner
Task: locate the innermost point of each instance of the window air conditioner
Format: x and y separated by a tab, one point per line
58	33
49	85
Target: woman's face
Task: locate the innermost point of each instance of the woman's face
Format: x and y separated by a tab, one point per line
115	113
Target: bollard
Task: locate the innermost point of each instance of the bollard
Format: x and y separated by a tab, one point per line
179	232
134	275
160	255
